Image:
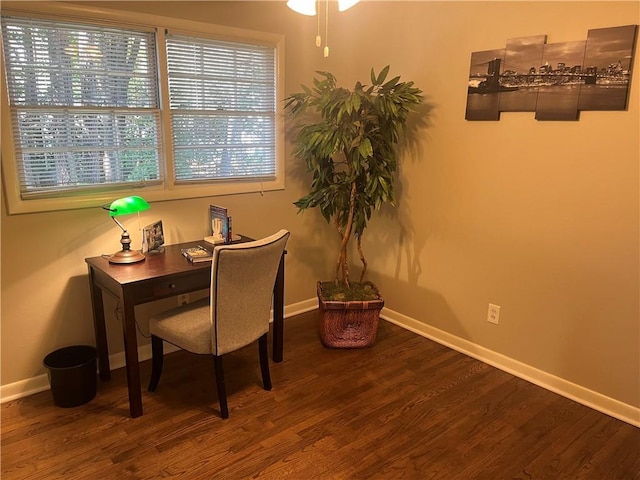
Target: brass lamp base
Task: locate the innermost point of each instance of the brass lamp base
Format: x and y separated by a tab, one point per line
126	256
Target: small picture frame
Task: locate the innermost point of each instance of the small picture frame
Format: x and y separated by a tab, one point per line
152	237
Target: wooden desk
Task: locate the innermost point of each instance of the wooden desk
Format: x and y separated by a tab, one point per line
161	275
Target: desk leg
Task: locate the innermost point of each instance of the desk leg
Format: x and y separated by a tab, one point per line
99	328
131	355
278	314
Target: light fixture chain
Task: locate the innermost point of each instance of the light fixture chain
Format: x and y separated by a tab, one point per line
326	29
318	39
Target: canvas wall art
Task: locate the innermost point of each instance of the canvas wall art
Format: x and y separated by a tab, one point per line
556	80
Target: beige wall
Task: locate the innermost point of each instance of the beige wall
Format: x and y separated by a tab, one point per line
541	218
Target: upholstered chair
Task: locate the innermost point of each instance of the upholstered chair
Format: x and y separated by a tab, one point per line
236	313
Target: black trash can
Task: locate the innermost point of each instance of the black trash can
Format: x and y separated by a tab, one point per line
72	375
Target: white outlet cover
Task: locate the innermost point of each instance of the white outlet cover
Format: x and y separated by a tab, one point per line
493	314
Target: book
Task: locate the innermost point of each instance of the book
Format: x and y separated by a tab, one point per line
197	254
220	229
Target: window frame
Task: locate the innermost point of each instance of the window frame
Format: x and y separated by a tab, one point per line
168	189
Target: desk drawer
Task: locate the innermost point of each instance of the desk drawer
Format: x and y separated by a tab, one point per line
172	286
176	286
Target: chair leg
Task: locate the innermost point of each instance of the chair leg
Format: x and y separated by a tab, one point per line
222	391
157	357
264	362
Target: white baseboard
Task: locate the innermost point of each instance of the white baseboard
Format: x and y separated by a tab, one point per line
301	307
23	388
609	406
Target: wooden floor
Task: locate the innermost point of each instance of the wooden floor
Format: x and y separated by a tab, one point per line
407	408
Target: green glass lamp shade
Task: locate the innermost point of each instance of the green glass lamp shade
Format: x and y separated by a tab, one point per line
124	206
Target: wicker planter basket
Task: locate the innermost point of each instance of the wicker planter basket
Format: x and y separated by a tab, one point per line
352	324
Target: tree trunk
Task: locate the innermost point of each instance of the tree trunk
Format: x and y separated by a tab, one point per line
362	259
342	260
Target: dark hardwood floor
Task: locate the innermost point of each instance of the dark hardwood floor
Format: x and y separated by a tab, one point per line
407	408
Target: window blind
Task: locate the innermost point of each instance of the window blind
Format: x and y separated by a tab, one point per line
223	109
84	103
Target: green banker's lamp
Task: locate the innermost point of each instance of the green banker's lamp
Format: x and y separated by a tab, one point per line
125	206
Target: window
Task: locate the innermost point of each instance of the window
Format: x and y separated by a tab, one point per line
84	104
222	108
89	116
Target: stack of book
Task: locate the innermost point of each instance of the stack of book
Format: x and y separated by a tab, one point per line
197	254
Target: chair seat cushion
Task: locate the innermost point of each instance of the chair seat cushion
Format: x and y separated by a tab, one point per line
188	326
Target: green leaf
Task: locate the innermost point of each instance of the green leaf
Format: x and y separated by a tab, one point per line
356	101
390	83
365	149
382	75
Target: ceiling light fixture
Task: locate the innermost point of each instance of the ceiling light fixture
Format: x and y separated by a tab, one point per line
308	7
346	4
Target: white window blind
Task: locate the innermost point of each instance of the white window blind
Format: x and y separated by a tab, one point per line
223	109
84	105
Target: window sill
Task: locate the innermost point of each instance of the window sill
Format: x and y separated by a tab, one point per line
16	205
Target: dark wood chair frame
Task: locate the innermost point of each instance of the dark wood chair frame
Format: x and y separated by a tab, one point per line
157	349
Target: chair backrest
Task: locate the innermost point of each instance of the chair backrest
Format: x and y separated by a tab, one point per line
242	280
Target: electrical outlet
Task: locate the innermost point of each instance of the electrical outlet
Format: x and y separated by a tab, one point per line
493	315
183	299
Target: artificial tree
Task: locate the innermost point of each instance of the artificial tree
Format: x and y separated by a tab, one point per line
350	148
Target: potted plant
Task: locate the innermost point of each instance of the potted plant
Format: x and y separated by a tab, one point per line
350	150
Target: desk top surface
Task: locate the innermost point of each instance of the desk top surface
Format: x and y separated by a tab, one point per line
166	262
